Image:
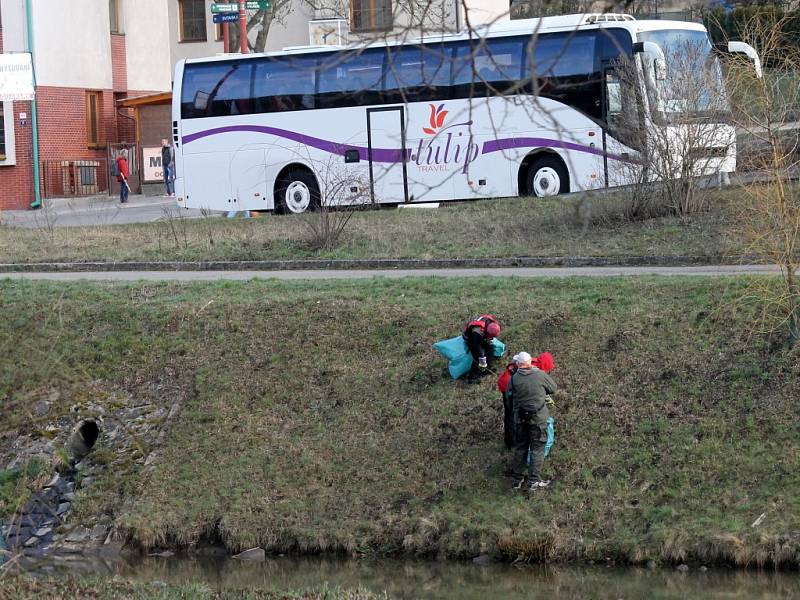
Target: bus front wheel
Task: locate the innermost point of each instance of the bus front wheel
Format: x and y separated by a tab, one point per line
297	193
547	176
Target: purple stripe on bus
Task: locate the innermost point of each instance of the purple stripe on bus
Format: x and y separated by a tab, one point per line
384	155
526	142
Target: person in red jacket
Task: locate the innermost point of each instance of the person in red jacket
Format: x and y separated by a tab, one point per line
543	362
122	177
478	334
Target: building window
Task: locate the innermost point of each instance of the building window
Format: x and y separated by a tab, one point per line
94	112
113	16
2	134
371	15
192	18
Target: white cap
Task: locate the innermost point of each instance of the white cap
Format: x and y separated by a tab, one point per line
522	358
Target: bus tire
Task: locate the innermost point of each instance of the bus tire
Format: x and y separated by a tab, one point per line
297	192
547	176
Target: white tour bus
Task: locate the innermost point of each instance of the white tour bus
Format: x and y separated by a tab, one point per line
525	107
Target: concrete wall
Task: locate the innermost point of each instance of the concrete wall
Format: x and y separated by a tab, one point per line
179	50
291	28
487	11
147	40
15	38
415	18
72	43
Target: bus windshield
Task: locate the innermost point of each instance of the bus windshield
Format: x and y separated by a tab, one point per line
693	88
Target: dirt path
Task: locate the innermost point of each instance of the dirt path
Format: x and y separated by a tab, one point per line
712	271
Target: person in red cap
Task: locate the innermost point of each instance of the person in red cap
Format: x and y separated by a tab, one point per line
543	362
478	334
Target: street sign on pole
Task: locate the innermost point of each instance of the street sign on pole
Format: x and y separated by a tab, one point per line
225	8
234	6
226	17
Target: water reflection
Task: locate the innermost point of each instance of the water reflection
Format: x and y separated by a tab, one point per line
450	581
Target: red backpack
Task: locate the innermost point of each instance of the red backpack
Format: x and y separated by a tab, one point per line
505	377
481	322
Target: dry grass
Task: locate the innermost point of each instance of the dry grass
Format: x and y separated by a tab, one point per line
317	418
571	226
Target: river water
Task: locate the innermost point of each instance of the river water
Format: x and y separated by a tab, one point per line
452	580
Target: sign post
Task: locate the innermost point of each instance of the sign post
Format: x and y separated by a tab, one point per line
243	27
226	38
226	12
249	5
226	17
224	8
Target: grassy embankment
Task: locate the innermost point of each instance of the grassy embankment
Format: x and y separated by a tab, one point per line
317	417
25	588
487	229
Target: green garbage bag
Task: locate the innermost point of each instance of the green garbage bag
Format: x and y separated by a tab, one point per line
460	360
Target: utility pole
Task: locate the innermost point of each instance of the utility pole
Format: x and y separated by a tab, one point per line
243	27
37	193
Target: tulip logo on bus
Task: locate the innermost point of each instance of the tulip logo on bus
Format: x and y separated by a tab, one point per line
450	146
437	119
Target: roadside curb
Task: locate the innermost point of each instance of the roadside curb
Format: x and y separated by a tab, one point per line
381	263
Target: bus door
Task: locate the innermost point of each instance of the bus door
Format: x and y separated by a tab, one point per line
386	148
624	127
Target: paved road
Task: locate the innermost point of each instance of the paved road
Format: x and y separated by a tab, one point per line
97	210
713	271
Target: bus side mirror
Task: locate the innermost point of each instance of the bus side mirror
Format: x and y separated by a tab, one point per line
749	52
656	54
201	101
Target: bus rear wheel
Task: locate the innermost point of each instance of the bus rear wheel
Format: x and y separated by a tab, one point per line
297	193
547	176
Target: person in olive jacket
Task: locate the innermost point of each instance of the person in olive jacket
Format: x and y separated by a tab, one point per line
528	392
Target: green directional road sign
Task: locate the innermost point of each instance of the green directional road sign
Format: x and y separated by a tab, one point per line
225	8
234	6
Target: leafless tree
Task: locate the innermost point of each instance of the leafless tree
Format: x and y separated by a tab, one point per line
686	135
771	220
344	193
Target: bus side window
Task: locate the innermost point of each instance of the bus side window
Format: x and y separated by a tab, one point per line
417	74
231	95
216	89
564	68
487	67
350	79
284	83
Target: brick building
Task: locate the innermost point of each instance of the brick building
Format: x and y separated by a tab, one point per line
87	55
